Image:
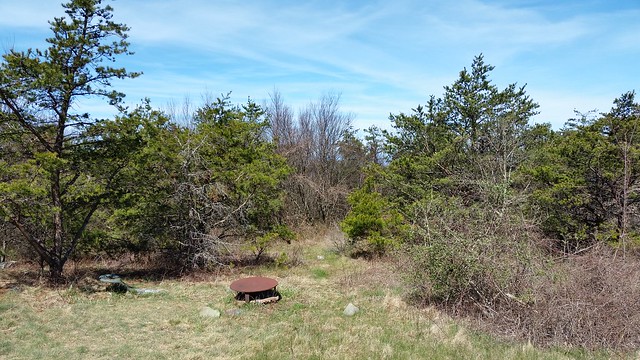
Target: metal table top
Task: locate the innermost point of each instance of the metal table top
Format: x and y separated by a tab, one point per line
253	284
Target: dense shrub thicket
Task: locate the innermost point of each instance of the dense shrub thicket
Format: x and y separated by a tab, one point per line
496	216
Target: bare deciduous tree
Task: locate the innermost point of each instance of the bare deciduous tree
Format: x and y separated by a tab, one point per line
320	146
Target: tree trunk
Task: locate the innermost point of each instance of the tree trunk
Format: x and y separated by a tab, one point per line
55	271
625	197
56	264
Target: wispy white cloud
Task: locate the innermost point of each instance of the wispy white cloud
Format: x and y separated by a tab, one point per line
384	56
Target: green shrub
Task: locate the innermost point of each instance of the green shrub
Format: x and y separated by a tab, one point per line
373	226
261	243
469	256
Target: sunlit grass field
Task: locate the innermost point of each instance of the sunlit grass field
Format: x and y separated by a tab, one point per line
75	322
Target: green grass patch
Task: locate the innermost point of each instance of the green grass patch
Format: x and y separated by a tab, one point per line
318	273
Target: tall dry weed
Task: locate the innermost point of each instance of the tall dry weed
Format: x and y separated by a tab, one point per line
590	300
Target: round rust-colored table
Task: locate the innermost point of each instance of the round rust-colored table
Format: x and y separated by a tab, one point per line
253	287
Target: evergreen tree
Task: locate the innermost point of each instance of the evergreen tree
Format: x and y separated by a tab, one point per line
587	178
450	180
52	187
208	191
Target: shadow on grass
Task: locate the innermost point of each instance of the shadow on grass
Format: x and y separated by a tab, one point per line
129	267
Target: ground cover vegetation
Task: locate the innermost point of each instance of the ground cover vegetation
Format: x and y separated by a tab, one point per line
529	232
81	320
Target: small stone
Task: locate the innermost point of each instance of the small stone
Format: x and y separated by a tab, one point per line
350	310
320	257
233	312
209	312
6	264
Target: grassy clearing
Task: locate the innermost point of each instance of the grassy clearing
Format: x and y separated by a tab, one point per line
39	322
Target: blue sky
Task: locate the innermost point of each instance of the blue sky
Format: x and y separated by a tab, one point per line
381	56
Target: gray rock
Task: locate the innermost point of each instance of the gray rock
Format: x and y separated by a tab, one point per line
146	291
233	312
350	310
209	312
6	264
